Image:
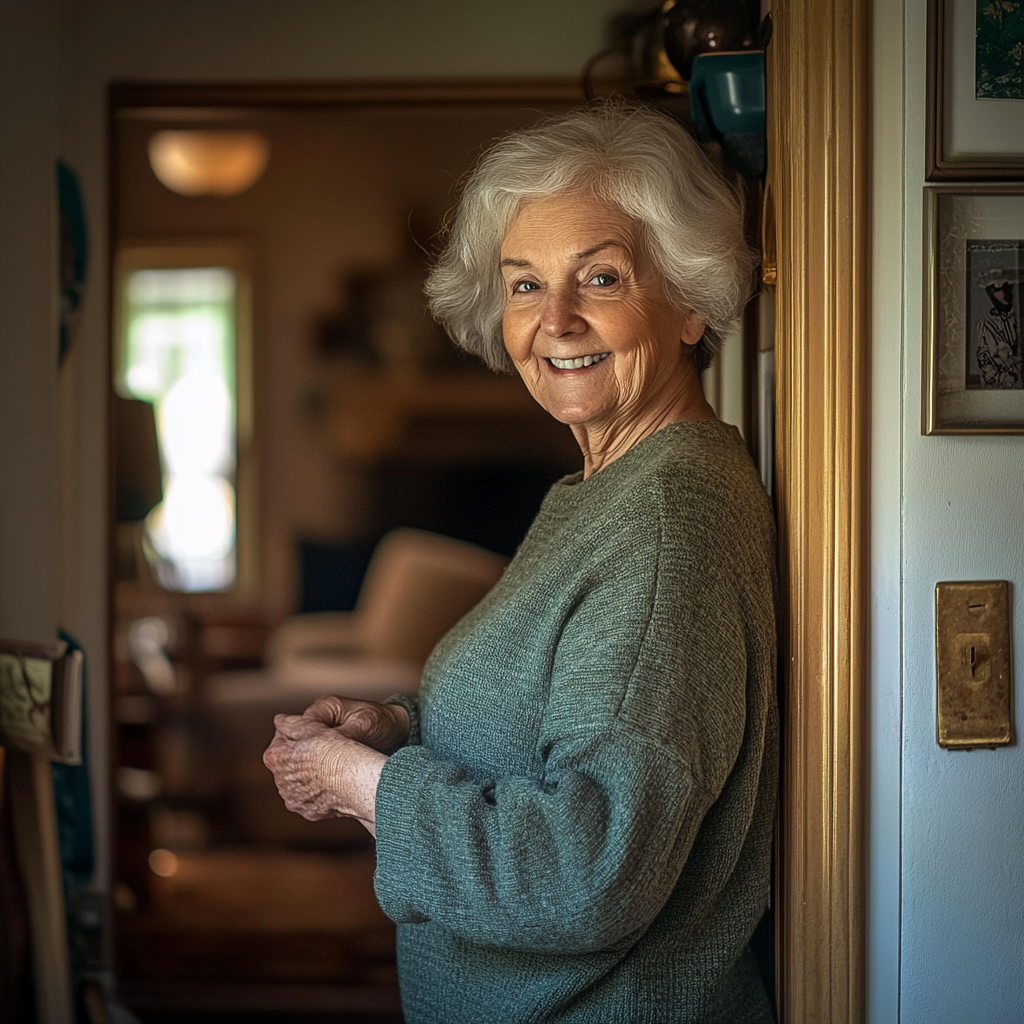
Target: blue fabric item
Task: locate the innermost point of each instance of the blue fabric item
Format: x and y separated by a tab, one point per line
330	574
73	800
73	797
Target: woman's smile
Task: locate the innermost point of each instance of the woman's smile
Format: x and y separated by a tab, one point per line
578	362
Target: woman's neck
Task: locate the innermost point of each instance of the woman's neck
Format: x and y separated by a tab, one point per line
678	399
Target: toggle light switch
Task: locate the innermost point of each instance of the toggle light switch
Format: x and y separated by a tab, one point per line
972	664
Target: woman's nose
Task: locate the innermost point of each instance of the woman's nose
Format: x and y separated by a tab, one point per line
561	314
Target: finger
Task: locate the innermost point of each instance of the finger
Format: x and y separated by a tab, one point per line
367	724
295	727
330	710
276	752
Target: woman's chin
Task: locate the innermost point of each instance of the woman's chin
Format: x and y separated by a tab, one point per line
571	407
571	414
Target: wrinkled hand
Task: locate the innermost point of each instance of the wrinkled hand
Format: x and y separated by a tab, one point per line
385	727
321	773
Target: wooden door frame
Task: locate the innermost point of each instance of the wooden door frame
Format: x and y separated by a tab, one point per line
819	175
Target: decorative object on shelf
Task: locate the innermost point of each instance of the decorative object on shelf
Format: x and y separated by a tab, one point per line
658	46
382	319
727	103
694	27
702	61
74	253
375	415
975	92
207	162
973	374
635	42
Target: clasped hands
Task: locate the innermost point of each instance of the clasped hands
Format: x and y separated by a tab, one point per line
327	761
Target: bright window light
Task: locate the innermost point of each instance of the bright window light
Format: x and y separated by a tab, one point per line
179	353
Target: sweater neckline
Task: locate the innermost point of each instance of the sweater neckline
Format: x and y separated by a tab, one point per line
575	485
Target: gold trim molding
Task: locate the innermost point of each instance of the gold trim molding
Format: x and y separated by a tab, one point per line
819	174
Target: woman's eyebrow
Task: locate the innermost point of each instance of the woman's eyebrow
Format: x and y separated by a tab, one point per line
593	250
511	261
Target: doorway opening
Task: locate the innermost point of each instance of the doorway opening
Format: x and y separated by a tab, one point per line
348	415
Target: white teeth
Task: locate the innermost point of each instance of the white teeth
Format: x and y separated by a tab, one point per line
578	362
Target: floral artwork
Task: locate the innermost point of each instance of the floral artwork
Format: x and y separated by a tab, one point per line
999	50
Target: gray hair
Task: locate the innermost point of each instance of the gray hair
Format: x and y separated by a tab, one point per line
633	157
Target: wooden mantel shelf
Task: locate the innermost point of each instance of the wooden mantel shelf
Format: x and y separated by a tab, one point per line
373	412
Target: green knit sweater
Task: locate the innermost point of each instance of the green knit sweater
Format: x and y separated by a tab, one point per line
581	829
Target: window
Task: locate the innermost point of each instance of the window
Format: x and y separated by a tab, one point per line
178	348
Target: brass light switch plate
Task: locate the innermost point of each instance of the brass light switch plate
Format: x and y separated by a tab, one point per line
972	662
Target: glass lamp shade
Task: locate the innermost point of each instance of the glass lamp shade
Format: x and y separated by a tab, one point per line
208	163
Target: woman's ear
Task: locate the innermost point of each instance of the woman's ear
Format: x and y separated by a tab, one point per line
693	328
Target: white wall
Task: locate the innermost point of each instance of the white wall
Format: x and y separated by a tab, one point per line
236	40
29	485
946	901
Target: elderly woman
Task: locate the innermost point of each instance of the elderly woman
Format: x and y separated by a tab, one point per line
574	822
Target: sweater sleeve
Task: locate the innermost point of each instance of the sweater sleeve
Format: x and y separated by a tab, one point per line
573	862
411	703
639	734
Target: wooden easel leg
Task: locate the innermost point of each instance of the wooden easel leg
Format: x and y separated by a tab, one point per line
35	837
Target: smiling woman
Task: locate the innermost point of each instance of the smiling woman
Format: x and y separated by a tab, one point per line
574	819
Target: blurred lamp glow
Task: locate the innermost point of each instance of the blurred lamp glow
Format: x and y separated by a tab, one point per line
163	863
208	163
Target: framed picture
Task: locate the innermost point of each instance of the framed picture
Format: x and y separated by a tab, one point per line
975	89
974	328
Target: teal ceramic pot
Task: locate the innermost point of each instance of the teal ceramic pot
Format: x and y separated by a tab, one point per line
727	103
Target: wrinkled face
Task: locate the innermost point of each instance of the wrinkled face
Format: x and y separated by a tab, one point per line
587	321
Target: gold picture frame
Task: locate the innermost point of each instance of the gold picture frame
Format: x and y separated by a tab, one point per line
967	135
973	380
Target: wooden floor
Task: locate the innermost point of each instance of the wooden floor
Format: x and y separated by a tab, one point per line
260	935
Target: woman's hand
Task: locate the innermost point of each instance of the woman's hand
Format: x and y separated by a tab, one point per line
385	727
321	773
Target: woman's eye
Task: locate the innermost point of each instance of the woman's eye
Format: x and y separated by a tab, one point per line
525	286
603	280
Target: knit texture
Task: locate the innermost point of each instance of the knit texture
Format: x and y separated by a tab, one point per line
584	831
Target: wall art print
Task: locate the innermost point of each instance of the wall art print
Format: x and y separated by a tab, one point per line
974	373
999	50
975	126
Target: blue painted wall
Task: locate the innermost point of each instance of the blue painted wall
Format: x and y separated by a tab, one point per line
946	898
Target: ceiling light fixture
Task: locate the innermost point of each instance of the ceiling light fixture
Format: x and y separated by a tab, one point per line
209	163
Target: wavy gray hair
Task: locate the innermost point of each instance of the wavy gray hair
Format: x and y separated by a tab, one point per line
633	157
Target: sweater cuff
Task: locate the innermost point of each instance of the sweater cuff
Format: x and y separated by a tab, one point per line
411	704
398	845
